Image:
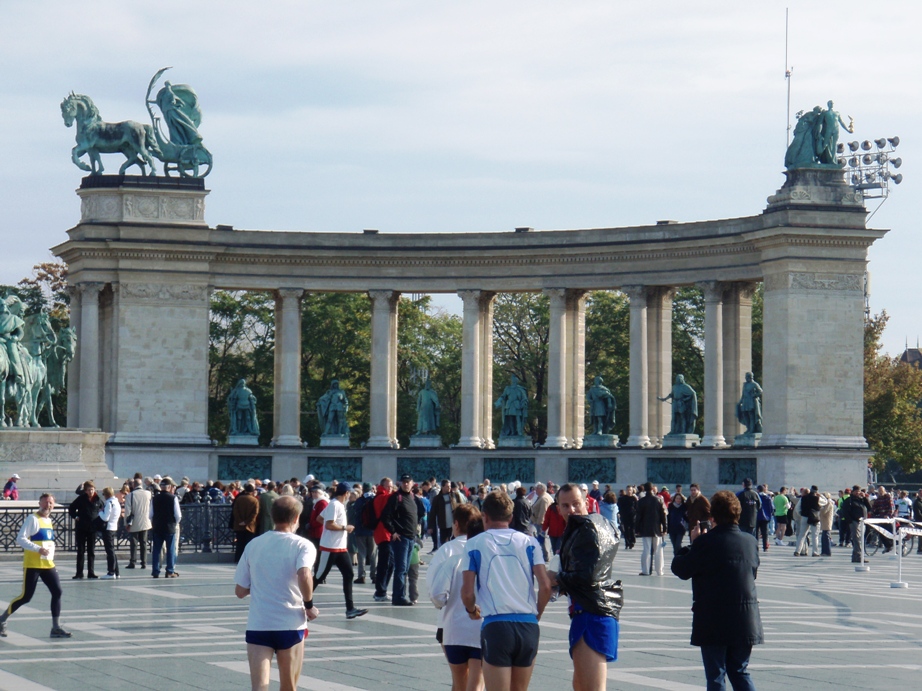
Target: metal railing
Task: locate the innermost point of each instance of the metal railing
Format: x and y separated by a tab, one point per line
204	528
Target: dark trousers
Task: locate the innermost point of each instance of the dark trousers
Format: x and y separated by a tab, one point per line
243	539
762	531
86	548
630	536
108	542
343	562
29	581
444	535
135	541
722	661
385	569
676	537
402	549
826	544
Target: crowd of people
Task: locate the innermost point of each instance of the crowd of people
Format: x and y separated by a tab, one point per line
499	554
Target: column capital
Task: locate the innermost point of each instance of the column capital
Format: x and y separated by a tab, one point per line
290	293
558	295
713	290
382	297
745	289
635	293
662	293
90	288
471	298
486	298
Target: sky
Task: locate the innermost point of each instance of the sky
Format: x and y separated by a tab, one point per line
475	116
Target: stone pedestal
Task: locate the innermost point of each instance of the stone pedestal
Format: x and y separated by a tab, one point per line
425	441
242	440
747	441
681	441
600	441
334	441
515	442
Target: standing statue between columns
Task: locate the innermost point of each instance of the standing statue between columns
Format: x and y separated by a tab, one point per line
332	408
749	413
241	407
602	406
684	415
514	404
428	418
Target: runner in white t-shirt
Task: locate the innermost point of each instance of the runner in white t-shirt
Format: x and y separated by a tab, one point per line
499	576
275	571
333	550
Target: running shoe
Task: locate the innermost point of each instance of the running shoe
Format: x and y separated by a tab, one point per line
58	632
353	613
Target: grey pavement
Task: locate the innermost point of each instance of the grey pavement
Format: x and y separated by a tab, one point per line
826	626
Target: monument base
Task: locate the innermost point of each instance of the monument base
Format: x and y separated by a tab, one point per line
600	441
425	441
681	441
242	440
516	442
747	441
54	460
334	441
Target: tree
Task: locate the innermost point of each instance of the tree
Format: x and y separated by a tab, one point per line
608	349
892	400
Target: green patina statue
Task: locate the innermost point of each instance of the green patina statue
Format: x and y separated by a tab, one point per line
815	138
241	407
684	407
514	404
602	407
181	152
749	408
428	410
331	411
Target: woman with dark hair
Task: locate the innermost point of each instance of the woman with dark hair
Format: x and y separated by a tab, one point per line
722	565
677	521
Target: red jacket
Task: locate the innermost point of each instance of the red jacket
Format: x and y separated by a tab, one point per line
316	527
592	506
554	523
382	534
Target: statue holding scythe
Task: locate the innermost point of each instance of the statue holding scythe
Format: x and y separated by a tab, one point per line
183	151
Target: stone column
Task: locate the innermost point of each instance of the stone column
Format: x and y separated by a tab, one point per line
638	375
659	348
287	402
73	370
576	368
88	344
737	341
487	301
471	394
713	364
382	396
557	369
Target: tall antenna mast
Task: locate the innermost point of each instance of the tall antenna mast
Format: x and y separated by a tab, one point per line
787	76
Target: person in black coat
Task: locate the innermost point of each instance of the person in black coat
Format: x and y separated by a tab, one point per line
85	510
722	565
521	512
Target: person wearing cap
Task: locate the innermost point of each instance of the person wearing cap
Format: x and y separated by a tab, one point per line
333	546
10	490
275	572
595	492
164	518
244	512
592	506
401	519
36	537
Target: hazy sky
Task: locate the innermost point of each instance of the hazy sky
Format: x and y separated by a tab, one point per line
467	116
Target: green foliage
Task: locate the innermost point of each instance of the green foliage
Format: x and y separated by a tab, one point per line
688	343
520	336
758	305
892	400
241	346
608	348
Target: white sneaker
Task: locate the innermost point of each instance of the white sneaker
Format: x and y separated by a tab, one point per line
778	542
108	577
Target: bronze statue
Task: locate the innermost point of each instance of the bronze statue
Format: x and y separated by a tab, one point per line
331	411
749	408
241	406
602	407
514	404
684	407
428	410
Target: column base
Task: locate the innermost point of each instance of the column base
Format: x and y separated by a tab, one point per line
243	440
681	441
286	440
469	443
747	441
515	442
425	441
714	441
555	443
638	441
487	444
381	443
334	441
600	441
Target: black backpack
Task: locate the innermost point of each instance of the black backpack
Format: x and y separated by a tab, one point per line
369	518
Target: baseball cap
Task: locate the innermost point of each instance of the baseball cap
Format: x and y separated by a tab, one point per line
405	477
167	482
584	487
308	479
595	482
342	488
366	487
16	477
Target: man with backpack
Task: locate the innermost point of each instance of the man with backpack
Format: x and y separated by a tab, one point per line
364	534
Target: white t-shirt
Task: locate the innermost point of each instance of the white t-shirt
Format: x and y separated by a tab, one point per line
334	540
503	560
269	568
444	578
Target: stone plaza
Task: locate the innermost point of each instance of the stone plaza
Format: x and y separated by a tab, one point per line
826	626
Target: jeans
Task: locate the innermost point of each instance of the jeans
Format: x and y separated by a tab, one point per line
722	661
135	541
826	543
402	548
555	544
108	541
160	540
384	570
762	531
541	536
